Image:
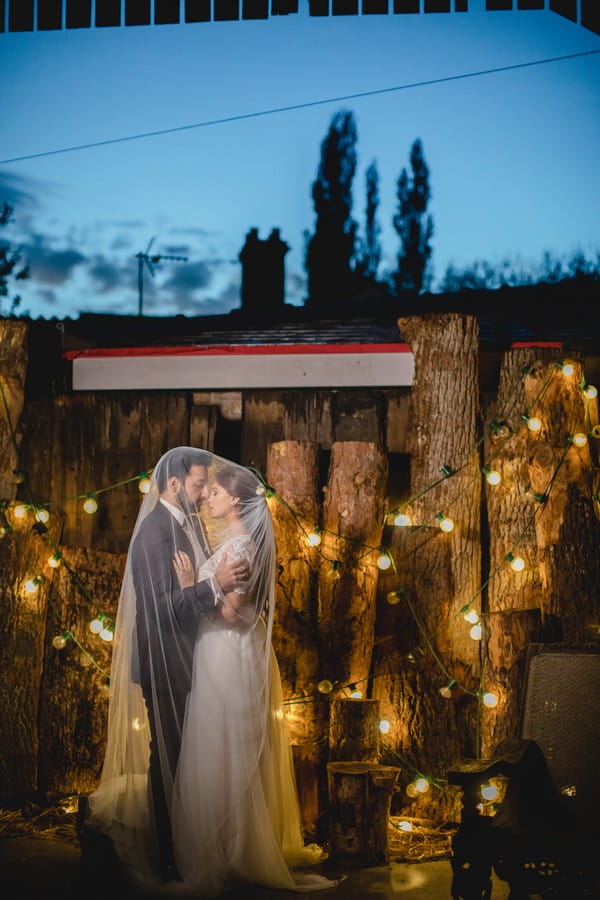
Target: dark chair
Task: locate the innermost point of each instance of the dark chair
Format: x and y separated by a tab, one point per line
545	836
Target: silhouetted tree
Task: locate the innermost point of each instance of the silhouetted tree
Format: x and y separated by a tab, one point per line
10	268
369	259
413	225
482	275
330	250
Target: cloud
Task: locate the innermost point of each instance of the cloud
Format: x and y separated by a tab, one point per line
108	276
18	192
47	265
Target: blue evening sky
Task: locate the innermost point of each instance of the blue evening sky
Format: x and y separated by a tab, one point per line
512	155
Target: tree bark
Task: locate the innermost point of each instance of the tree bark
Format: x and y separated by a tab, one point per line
353	516
354	730
13	370
292	470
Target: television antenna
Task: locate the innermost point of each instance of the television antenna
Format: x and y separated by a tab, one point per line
150	261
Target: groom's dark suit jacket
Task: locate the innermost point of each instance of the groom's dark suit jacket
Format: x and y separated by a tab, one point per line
167	621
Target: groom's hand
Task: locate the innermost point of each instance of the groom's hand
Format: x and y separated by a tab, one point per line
231	575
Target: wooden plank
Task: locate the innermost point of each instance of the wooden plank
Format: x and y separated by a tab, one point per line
13	371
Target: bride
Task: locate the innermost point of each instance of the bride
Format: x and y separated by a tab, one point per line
232	803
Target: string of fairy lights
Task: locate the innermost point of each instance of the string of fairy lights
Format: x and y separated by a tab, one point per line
103	624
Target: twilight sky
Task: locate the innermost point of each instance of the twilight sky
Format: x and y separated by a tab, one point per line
512	155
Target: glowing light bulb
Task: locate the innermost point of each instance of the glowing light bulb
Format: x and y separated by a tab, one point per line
411	790
325	686
405	826
580	439
90	506
446	692
476	632
313	539
384	561
402	520
96	626
489	699
590	391
533	423
356	695
144	485
32	584
446	524
59	642
568	368
85	659
393	598
42	515
489	792
422	785
106	634
471	616
384	726
493	477
136	724
517	564
54	560
20	511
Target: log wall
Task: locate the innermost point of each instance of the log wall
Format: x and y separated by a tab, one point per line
333	456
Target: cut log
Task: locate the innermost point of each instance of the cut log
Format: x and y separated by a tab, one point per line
13	371
353	517
354	730
359	809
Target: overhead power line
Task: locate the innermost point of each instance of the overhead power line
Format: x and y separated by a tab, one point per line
295	106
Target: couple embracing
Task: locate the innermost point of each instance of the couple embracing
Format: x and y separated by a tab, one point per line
197	790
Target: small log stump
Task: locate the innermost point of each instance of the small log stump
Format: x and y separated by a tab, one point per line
359	810
354	730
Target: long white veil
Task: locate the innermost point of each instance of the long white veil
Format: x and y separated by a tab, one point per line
197	790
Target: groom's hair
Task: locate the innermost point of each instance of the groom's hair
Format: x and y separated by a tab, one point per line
180	467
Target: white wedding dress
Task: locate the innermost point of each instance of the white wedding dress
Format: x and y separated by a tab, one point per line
235	812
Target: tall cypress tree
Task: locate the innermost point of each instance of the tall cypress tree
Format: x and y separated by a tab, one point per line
330	250
370	257
413	225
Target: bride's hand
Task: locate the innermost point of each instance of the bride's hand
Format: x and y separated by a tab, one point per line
184	569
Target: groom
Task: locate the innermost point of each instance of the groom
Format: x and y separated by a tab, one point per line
168	618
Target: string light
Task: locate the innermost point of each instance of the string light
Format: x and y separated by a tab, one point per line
492	476
517	563
355	693
144	485
411	790
384	561
446	524
313	539
384	726
579	439
90	505
325	686
567	367
32	584
489	792
422	785
20	511
590	391
42	515
402	520
476	632
471	616
405	826
107	633
533	423
595	432
446	690
489	699
393	598
96	625
54	560
59	642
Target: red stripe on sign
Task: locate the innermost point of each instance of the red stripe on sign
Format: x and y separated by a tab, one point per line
553	345
233	349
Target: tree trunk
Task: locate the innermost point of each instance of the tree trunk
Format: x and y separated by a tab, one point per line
440	571
13	369
354	730
353	516
292	470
